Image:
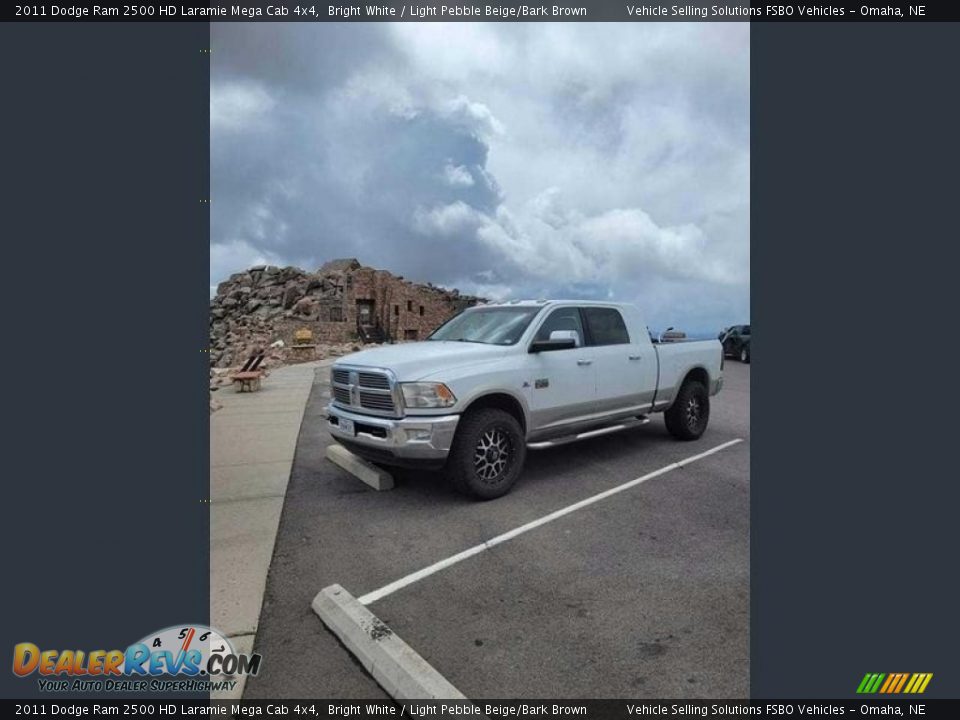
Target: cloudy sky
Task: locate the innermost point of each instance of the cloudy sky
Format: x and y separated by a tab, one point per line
587	160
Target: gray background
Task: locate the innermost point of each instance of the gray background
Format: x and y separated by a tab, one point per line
105	161
854	496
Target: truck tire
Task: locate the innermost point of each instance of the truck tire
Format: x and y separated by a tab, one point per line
687	418
487	454
745	355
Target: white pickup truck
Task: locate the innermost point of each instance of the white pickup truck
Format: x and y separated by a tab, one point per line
496	380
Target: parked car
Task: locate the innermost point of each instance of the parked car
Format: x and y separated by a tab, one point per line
496	380
736	343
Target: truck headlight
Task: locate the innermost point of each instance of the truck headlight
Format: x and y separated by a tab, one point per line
427	395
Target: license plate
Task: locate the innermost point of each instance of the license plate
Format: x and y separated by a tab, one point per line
347	426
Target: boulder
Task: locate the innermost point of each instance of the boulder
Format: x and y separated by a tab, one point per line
291	295
304	306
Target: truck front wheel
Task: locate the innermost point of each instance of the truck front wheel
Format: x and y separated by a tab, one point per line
487	454
688	416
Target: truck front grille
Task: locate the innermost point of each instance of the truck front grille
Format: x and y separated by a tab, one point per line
374	380
376	401
363	390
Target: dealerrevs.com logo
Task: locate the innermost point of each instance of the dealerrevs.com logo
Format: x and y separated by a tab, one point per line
182	658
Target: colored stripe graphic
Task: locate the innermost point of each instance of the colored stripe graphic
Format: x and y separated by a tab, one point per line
903	681
870	683
918	683
894	683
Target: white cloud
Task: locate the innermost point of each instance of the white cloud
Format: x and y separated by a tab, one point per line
547	241
600	160
231	256
457	175
492	292
450	220
474	116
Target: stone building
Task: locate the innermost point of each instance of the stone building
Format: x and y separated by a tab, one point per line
342	302
377	306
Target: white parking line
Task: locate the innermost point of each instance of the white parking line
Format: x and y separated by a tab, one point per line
372	597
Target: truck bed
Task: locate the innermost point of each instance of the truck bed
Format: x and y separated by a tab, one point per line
677	358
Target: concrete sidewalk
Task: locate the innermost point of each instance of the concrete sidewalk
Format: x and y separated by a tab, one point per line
253	438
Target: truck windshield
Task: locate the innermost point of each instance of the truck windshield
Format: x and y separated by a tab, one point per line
489	325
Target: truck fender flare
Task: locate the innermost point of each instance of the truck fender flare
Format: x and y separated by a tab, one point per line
491	394
703	375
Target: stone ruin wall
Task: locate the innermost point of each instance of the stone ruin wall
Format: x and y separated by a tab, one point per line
266	303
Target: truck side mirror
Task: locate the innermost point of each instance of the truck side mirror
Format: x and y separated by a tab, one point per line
559	340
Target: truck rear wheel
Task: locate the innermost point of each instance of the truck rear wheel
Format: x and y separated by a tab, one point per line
688	416
487	454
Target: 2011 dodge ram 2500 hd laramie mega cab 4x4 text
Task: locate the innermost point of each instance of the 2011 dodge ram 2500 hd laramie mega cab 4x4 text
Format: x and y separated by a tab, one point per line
498	379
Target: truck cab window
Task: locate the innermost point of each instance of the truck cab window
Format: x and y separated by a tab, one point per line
606	326
562	319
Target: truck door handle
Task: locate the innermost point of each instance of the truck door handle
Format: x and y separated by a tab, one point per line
584	362
634	357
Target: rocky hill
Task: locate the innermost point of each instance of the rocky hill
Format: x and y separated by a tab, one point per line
343	305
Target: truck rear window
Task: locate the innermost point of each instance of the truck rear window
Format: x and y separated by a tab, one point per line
606	326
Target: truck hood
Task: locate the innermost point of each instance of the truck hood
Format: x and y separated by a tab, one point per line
413	361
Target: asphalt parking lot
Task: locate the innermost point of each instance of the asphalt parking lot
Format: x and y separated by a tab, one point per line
642	594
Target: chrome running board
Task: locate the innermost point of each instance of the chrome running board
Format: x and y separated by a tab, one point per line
589	434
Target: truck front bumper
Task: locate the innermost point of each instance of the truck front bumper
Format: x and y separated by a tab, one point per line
414	441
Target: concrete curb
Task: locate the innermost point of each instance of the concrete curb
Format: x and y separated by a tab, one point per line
253	441
393	664
370	474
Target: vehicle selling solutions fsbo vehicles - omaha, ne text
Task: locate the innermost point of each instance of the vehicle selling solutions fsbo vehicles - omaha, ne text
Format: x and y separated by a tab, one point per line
496	380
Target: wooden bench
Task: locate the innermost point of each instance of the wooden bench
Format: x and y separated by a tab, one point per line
249	376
